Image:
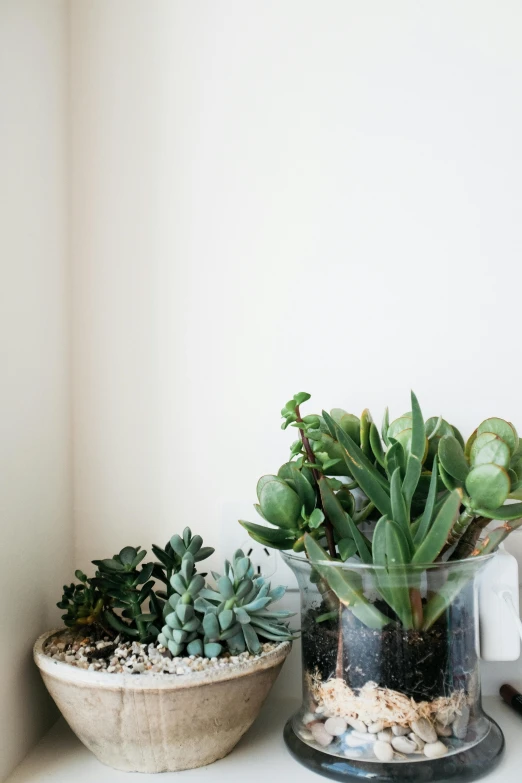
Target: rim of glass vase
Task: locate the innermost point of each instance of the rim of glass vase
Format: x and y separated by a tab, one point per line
352	566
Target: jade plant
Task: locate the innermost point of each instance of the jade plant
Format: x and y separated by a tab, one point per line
204	620
198	619
423	494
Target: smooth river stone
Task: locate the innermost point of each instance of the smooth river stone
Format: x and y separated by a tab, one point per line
375	728
404	745
417	740
443	731
400	731
357	724
460	724
335	726
434	750
424	729
320	734
385	735
383	751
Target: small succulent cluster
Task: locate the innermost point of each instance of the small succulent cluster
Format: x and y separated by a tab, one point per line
197	618
202	620
425	494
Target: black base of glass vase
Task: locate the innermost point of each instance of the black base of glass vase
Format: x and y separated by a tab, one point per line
465	766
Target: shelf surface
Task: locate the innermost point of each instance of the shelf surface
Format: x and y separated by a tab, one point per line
260	756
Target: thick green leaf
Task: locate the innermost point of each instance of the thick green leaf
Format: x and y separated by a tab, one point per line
411	478
333	510
340	581
362	469
469	444
385	426
348	423
433	543
400	424
366	422
505	513
490	448
488	486
448	481
458	435
277	538
426	518
304	489
301	397
452	459
316	518
347	548
418	438
376	445
504	429
281	506
400	513
395	458
445	596
397	555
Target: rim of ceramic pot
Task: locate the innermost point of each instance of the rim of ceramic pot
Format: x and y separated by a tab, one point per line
153	682
472	562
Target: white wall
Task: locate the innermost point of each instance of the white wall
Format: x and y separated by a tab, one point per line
275	196
35	506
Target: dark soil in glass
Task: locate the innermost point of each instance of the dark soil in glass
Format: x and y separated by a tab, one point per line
419	664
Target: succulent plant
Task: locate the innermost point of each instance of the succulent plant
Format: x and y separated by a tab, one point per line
236	610
83	604
426	494
171	555
203	621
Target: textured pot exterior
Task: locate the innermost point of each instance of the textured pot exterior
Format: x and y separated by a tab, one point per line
160	723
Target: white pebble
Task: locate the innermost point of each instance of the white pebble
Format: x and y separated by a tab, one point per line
417	740
308	717
404	745
460	724
357	724
307	736
434	750
352	753
424	729
320	734
400	731
375	728
385	735
383	751
335	726
443	731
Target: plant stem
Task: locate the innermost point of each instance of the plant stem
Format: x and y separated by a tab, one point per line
311	458
458	530
469	539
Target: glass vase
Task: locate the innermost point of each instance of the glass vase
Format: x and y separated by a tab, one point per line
391	685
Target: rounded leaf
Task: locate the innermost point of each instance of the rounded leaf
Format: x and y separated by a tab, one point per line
400	424
212	649
488	486
195	647
348	423
452	459
503	429
281	506
489	448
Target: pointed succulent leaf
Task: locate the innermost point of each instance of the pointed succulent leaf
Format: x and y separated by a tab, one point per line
488	486
400	514
257	604
333	509
225	587
426	518
251	639
376	445
316	518
242	615
366	422
347	548
430	548
226	619
277	538
395	458
342	585
362	470
212	649
385	426
195	647
211	626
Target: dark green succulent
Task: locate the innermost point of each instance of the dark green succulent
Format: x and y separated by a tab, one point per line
128	584
426	495
83	603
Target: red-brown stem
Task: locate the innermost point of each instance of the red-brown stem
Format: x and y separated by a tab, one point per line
416	607
311	458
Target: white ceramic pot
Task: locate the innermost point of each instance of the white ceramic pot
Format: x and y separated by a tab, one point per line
160	723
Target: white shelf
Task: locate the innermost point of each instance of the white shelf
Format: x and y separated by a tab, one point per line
260	756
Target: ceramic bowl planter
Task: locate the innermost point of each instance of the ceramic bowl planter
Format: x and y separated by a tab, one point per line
160	723
386	700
